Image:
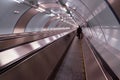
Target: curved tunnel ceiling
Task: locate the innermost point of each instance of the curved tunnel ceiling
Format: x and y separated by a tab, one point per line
103	28
75	9
66	13
55	7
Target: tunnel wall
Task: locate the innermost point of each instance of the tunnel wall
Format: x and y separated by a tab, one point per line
53	24
37	22
8	18
103	31
103	25
20	17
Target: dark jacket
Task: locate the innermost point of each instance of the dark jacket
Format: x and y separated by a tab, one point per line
79	30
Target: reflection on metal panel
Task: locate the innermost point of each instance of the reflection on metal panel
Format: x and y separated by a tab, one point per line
49	5
8	16
8	56
50	20
47	40
37	22
23	21
54	37
35	45
53	24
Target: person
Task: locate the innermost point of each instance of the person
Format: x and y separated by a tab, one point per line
79	33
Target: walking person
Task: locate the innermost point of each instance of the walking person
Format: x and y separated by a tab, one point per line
79	33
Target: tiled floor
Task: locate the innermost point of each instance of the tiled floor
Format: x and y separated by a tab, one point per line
72	67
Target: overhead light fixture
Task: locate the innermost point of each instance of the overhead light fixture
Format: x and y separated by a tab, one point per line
16	12
67	4
51	14
40	9
18	1
64	9
39	3
74	8
58	17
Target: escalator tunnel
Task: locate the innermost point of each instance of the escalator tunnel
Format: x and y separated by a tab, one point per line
38	40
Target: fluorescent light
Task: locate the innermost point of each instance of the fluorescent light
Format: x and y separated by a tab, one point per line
18	1
64	9
52	14
40	9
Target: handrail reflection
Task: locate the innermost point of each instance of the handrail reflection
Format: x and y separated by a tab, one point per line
8	57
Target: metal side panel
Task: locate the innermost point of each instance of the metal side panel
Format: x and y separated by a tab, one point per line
40	65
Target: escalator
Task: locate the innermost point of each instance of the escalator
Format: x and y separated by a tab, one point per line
58	57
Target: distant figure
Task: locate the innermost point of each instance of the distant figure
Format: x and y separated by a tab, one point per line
79	33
